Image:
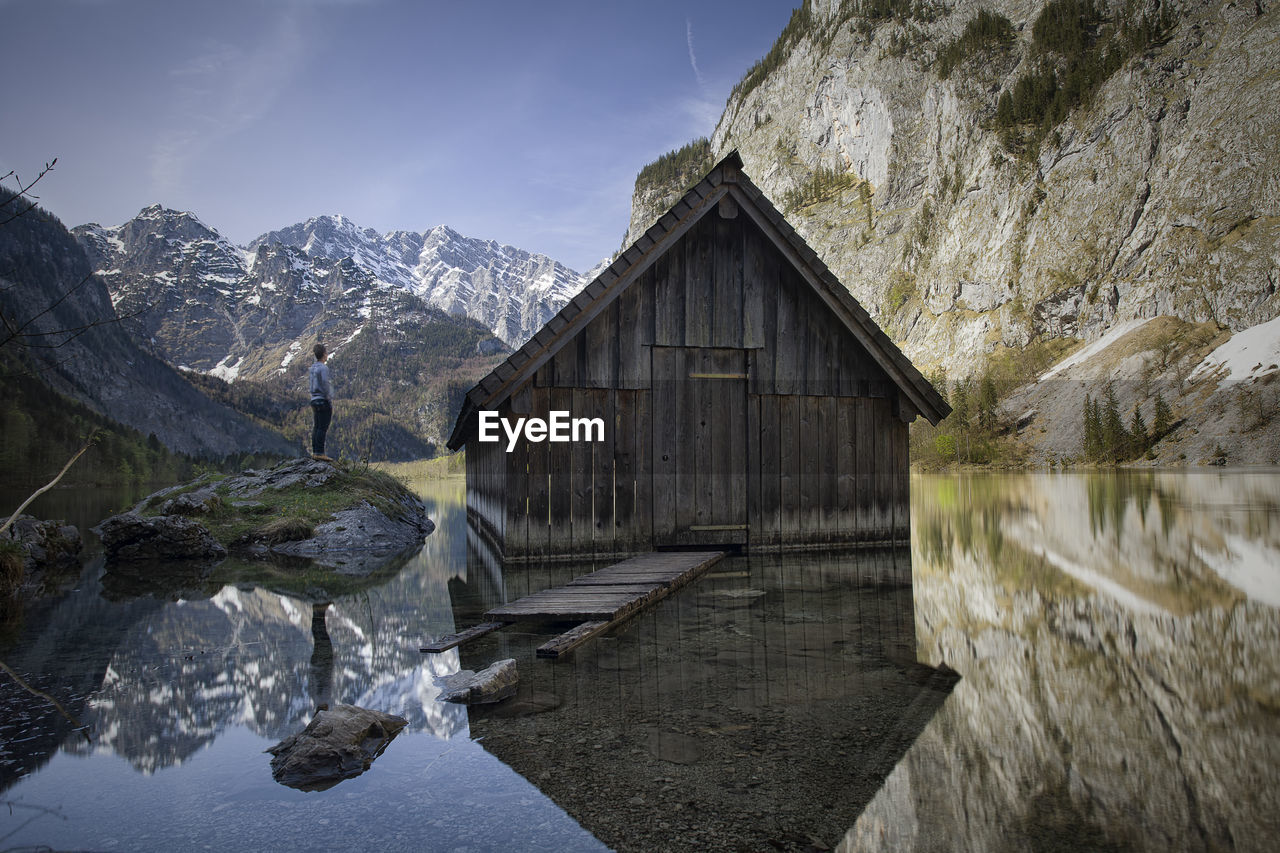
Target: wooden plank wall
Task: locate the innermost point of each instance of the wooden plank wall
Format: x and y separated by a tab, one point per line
825	459
722	285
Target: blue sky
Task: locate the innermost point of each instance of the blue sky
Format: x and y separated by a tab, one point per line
523	122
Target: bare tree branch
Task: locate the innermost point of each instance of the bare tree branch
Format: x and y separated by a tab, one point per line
41	694
93	438
24	192
14	331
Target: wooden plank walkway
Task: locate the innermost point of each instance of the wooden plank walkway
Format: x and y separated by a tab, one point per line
614	592
599	600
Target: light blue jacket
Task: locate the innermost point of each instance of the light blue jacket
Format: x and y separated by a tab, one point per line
320	388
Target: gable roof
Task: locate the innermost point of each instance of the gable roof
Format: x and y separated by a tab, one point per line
725	180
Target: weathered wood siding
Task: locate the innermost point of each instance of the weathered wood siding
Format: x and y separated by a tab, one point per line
738	409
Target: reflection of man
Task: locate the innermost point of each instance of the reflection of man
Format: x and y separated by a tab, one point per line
321	657
321	402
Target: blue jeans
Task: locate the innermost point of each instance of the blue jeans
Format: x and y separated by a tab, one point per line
323	410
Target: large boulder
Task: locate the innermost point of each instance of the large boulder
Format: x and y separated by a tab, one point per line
36	552
359	539
339	743
44	544
494	683
132	538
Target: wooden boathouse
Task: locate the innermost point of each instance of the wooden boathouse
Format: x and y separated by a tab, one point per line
747	400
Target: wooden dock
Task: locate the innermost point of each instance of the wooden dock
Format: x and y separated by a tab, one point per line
599	600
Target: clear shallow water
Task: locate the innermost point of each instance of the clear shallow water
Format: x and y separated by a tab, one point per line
1117	638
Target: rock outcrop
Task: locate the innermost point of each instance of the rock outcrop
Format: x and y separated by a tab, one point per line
38	549
339	743
352	521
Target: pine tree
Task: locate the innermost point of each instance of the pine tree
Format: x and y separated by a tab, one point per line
1114	437
1092	430
1163	420
987	403
960	404
1139	441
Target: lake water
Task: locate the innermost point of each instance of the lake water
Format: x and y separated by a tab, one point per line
1116	638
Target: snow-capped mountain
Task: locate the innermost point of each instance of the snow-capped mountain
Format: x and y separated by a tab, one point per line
511	291
212	307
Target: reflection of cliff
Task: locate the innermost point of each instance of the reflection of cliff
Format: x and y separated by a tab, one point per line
1116	692
64	649
759	708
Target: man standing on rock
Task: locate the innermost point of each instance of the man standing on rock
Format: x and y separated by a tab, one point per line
321	402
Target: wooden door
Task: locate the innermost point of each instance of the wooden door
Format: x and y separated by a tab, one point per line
699	446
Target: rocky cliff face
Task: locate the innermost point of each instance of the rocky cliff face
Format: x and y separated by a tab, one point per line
963	223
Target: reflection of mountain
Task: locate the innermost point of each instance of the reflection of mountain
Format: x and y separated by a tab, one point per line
1117	693
245	657
155	681
761	706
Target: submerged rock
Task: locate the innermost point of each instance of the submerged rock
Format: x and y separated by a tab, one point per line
339	743
494	683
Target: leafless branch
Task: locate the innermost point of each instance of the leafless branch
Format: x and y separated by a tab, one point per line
93	438
13	331
41	694
24	195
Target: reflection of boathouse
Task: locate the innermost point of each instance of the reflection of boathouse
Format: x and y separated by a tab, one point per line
747	399
760	709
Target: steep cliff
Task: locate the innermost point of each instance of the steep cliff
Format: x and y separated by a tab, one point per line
72	343
991	173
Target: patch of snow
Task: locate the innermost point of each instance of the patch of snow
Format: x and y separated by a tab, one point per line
1250	354
351	338
1250	566
227	372
1116	332
291	355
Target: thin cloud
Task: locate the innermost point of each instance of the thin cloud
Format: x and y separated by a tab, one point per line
219	93
693	57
